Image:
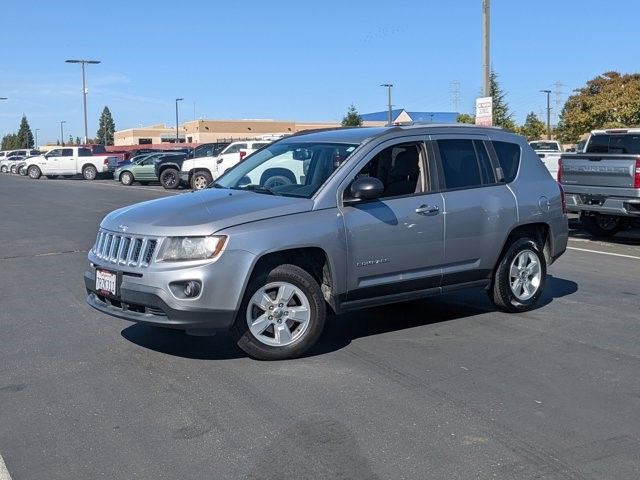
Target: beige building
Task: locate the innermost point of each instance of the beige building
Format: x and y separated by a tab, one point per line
204	131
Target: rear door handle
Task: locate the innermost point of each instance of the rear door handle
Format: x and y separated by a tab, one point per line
428	210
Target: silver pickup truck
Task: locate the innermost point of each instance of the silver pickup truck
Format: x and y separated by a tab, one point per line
332	221
603	184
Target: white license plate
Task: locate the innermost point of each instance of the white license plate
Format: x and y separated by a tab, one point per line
106	282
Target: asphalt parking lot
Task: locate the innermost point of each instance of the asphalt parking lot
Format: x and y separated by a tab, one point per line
442	388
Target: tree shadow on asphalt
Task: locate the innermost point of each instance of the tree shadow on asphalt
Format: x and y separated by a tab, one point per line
342	329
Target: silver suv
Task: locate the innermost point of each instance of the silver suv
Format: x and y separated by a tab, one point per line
331	221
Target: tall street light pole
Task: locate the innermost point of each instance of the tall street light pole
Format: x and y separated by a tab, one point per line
36	131
84	93
390	115
548	92
177	137
486	62
4	98
62	132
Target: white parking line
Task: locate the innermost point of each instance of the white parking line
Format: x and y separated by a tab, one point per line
4	473
603	253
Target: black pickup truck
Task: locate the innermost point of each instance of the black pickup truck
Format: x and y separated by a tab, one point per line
167	169
603	183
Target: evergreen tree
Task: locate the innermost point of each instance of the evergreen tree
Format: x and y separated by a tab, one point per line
10	142
25	137
465	118
501	114
533	127
70	140
352	118
78	142
106	127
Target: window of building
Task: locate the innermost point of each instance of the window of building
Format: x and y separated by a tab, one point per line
144	141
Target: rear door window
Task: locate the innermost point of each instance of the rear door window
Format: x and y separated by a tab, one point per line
509	159
459	164
67	152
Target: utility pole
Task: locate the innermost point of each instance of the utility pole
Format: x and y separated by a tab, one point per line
62	132
36	131
84	93
390	116
548	92
177	136
558	100
486	62
455	95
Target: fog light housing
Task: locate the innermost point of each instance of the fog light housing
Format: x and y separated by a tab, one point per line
186	288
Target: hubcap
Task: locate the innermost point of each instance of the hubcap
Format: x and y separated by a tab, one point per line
200	183
278	314
170	179
525	275
33	172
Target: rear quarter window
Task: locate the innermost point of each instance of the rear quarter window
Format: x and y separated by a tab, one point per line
509	159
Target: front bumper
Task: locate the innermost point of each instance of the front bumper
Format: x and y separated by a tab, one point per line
184	177
145	295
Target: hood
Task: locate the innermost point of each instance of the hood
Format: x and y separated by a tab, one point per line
201	213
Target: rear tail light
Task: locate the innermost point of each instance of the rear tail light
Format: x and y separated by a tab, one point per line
564	200
243	154
106	161
560	170
636	178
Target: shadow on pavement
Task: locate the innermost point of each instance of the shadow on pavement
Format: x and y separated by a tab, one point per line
342	329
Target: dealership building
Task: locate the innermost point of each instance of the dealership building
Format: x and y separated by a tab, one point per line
205	131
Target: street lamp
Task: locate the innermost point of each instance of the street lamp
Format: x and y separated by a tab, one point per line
389	86
177	100
4	98
84	93
62	132
36	145
548	92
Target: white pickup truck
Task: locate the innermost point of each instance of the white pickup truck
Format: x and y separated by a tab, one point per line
69	161
549	152
201	171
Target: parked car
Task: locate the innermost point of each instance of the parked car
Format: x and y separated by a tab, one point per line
142	169
549	152
9	164
602	185
200	172
366	225
25	152
70	161
167	170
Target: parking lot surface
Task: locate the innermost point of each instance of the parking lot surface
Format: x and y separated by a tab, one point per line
442	388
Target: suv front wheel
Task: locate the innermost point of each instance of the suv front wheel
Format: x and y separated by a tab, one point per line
201	180
520	277
282	314
169	178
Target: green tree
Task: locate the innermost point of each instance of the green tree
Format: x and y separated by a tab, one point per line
106	127
352	118
10	142
25	136
78	141
70	142
533	127
465	118
501	114
608	101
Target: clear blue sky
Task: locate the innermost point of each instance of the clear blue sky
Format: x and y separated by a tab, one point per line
296	60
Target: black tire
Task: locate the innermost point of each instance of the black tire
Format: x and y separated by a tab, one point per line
4	169
89	172
126	178
302	280
169	179
277	181
501	292
34	172
602	226
23	171
200	180
13	169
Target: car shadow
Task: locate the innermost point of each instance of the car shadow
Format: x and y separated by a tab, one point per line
341	330
629	236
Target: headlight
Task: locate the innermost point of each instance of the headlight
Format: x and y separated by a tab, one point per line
177	249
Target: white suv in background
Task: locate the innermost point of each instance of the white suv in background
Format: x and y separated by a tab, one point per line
200	172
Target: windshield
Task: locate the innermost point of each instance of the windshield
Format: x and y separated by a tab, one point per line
287	168
550	146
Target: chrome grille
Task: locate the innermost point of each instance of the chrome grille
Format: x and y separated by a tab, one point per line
125	250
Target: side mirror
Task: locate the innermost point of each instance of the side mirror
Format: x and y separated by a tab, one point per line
366	188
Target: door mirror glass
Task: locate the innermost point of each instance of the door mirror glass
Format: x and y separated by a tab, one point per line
367	188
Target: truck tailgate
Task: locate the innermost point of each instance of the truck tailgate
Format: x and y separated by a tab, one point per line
599	170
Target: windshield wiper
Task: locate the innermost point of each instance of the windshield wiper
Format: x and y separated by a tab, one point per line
215	185
257	189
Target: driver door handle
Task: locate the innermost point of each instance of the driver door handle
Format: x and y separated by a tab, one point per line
428	210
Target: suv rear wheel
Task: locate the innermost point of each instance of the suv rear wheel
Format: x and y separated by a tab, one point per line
602	226
201	180
520	277
282	314
169	178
